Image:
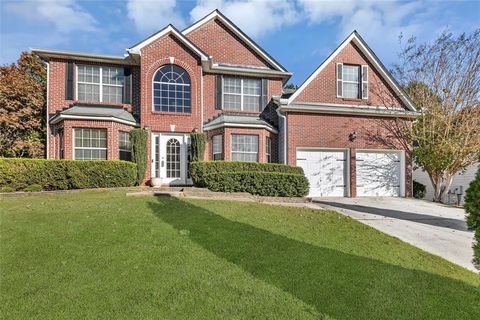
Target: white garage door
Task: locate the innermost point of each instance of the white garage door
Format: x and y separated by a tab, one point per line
325	170
378	173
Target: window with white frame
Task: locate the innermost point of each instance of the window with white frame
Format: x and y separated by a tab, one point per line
244	147
90	144
217	147
102	84
242	94
268	149
171	90
351	81
124	146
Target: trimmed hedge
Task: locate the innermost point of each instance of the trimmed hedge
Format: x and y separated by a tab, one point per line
19	174
273	184
265	179
198	170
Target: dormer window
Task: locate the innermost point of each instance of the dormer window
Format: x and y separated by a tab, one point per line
352	81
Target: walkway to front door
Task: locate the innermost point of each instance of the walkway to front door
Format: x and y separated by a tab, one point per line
170	154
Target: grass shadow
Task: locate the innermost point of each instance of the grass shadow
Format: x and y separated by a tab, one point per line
341	285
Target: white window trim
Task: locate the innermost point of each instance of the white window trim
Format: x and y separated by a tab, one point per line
77	82
90	148
181	84
244	152
268	153
359	88
221	146
242	95
120	149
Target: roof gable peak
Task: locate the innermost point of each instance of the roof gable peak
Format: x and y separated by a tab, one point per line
356	39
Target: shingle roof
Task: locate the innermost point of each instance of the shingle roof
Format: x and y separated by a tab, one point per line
239	120
95	111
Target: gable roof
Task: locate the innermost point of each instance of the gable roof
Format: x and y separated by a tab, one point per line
372	58
170	29
232	27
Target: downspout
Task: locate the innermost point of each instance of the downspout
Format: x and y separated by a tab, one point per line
285	131
47	140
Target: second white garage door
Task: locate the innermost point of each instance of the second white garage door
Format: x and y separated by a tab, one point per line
326	171
378	173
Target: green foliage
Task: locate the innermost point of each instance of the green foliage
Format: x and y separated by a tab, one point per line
199	170
273	184
33	188
266	179
21	174
419	190
472	207
139	139
199	140
7	189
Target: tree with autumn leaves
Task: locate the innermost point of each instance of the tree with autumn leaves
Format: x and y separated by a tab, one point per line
22	107
443	80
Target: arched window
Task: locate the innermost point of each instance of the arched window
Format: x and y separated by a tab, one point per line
173	158
171	90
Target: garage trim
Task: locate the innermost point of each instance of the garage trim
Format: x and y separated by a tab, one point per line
347	164
402	164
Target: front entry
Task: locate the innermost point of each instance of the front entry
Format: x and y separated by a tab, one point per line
170	154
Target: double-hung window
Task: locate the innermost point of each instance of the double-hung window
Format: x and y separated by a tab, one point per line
124	146
217	147
90	144
352	81
244	147
268	149
242	94
101	84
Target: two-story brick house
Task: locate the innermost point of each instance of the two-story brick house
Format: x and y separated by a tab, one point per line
212	77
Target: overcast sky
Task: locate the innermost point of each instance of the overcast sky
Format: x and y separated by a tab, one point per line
299	33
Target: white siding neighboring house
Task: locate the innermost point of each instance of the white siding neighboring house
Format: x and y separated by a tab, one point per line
460	184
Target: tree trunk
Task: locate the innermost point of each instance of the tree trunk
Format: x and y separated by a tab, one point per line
441	185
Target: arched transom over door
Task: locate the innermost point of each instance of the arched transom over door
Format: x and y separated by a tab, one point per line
172	90
173	158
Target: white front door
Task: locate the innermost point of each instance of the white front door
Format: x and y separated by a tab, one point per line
326	171
170	158
379	173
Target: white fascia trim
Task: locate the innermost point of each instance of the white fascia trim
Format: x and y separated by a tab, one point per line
72	117
45	53
216	15
358	111
168	30
244	71
240	125
360	43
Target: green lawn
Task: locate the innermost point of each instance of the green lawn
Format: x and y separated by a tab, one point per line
99	255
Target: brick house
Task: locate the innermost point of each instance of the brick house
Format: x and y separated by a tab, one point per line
211	77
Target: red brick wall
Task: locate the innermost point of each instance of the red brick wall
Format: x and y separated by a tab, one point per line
323	88
332	131
224	46
68	125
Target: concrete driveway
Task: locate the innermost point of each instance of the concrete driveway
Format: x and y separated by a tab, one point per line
433	227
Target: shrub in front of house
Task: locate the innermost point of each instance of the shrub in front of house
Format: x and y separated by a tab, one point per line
20	174
199	170
472	207
419	190
265	179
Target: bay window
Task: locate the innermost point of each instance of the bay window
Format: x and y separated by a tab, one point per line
124	146
217	147
244	147
90	144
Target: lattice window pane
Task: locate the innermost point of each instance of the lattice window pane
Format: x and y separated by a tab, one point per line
244	147
173	158
171	90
